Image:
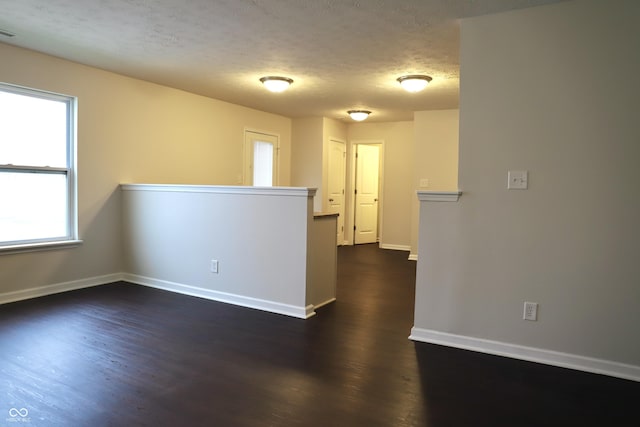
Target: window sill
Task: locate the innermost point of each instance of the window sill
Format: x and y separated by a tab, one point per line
35	247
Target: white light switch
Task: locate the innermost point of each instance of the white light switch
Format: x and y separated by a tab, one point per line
518	180
424	182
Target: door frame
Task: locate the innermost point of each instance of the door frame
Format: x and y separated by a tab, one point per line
325	191
245	154
350	204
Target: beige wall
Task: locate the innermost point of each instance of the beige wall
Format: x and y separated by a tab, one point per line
435	157
331	129
396	191
128	131
309	159
307	150
552	90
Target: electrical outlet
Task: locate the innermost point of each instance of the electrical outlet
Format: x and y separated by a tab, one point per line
214	266
518	180
424	182
530	311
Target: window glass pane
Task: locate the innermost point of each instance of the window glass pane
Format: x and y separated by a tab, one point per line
34	206
262	164
33	131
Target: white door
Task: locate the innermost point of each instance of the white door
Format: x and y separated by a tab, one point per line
337	176
366	193
260	159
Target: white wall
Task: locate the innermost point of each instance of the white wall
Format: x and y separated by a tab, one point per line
309	155
331	129
306	156
171	234
322	260
434	157
128	131
552	90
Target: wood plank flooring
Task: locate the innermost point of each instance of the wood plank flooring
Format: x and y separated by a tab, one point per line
125	355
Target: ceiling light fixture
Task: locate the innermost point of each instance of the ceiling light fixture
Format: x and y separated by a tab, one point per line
414	83
275	83
359	115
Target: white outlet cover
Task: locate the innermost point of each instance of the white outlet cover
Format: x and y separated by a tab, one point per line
530	311
518	180
424	182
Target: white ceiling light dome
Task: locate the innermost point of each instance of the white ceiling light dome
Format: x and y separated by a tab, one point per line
359	115
414	82
276	83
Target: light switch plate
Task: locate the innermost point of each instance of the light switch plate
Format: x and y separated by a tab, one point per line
518	180
424	182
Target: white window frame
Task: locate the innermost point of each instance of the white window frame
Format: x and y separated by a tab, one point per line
71	239
248	168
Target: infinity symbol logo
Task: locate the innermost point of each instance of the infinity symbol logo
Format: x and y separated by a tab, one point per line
15	413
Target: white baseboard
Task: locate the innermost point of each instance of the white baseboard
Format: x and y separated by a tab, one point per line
412	256
300	312
532	354
395	247
270	306
58	288
322	304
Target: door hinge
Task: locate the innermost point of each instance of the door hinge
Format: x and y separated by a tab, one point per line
354	228
356	191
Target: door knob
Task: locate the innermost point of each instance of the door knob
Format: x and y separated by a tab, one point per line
375	200
331	200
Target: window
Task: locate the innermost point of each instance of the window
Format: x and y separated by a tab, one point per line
37	161
260	159
263	164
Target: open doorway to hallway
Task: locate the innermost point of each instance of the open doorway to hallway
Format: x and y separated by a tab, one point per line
365	203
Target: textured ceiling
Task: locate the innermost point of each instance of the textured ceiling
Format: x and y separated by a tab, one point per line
342	54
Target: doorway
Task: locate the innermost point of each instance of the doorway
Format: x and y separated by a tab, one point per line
260	167
365	207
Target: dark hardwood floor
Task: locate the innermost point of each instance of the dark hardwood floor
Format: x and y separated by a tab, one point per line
125	355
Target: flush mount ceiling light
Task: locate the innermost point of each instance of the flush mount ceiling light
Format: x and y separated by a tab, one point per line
359	115
275	83
414	83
